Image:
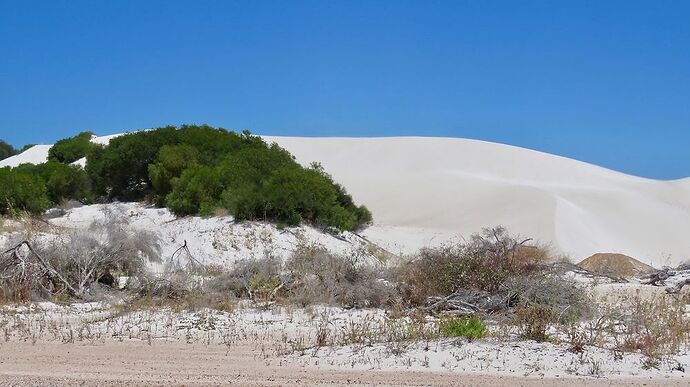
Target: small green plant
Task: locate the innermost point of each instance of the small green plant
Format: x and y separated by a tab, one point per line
468	327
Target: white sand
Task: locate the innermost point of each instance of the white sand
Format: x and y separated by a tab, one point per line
425	190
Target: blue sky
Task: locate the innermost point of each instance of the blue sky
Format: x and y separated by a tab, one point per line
606	82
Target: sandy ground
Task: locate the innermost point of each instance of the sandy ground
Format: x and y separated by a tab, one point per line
136	363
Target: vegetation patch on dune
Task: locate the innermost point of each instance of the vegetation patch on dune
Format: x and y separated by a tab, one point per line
192	170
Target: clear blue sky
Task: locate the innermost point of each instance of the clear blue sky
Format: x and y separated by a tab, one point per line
606	82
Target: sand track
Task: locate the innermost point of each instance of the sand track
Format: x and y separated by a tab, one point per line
134	363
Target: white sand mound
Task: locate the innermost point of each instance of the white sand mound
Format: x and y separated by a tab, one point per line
423	191
37	154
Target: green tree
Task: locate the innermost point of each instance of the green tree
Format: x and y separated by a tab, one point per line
195	169
197	187
69	150
121	169
20	191
172	161
63	182
291	191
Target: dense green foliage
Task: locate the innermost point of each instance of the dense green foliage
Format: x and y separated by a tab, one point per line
468	327
71	149
6	150
200	169
63	182
21	191
172	161
197	170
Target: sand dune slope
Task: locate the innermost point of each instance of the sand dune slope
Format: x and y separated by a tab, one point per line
458	186
426	190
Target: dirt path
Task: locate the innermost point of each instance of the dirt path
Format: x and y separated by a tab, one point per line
135	363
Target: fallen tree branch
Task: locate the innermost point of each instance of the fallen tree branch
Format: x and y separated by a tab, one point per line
50	271
678	287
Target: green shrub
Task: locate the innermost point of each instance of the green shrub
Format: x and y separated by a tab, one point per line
468	327
62	181
172	161
197	186
121	169
20	191
71	149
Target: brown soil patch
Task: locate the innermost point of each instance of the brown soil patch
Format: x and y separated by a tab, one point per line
616	265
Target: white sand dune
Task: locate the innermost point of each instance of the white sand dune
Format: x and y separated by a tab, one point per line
423	191
35	155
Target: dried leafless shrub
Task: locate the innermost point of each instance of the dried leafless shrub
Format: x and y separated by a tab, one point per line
544	300
485	262
71	263
249	278
318	276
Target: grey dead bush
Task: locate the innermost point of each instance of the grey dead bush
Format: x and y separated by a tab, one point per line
545	300
250	278
70	263
350	281
311	275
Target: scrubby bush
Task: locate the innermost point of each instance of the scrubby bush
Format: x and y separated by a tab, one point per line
198	188
22	192
71	149
485	263
121	169
6	150
250	278
319	277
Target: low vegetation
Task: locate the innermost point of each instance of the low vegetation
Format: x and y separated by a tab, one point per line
440	295
468	327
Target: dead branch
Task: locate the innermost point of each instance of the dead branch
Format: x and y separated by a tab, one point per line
174	264
678	287
53	274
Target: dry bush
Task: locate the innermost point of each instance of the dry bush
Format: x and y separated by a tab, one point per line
544	300
319	277
181	292
654	327
484	263
249	278
69	264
